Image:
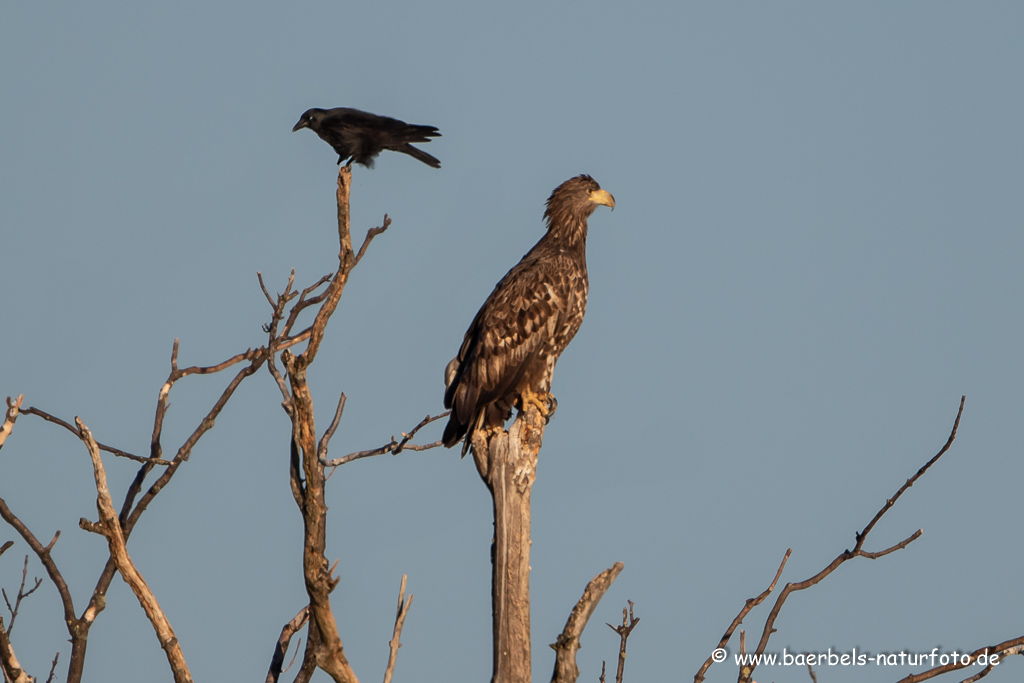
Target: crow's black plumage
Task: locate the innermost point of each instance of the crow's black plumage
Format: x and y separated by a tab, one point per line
360	136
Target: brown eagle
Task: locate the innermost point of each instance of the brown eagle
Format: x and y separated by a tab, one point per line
509	352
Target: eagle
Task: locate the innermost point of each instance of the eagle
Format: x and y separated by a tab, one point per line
510	349
360	136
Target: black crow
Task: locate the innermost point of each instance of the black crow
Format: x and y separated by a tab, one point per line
360	136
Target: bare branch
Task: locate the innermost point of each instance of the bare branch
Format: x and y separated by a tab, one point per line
43	553
321	450
281	648
9	663
303	303
370	234
910	482
53	667
624	631
899	546
394	447
749	605
323	647
32	410
858	550
1002	650
395	642
22	594
108	520
568	641
263	286
10	417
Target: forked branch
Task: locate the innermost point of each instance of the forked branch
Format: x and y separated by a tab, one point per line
110	526
624	630
746	673
395	643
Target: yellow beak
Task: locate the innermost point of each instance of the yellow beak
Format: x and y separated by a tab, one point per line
603	197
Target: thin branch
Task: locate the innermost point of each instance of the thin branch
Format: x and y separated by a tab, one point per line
111	528
750	604
32	410
624	631
858	550
53	667
568	641
394	447
1002	650
43	553
263	286
910	482
281	647
321	450
395	642
10	417
303	303
370	234
22	594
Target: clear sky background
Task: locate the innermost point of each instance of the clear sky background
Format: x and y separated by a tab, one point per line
816	250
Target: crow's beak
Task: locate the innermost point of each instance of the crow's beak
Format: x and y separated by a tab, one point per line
300	124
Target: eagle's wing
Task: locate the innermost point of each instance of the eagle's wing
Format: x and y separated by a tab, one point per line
519	318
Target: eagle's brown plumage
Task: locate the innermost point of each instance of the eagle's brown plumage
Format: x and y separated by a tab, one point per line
533	313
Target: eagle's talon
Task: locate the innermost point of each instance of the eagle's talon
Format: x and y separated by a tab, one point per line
552	407
545	403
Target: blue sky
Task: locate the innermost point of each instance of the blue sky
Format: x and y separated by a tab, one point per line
815	251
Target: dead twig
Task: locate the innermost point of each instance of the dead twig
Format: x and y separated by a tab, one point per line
624	630
846	555
22	594
321	450
13	405
43	553
32	410
110	526
370	234
395	642
53	667
394	447
1002	650
750	604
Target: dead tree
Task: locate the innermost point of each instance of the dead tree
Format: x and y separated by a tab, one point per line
1005	648
507	461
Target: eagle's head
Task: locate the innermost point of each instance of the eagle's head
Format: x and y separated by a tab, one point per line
575	200
311	118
